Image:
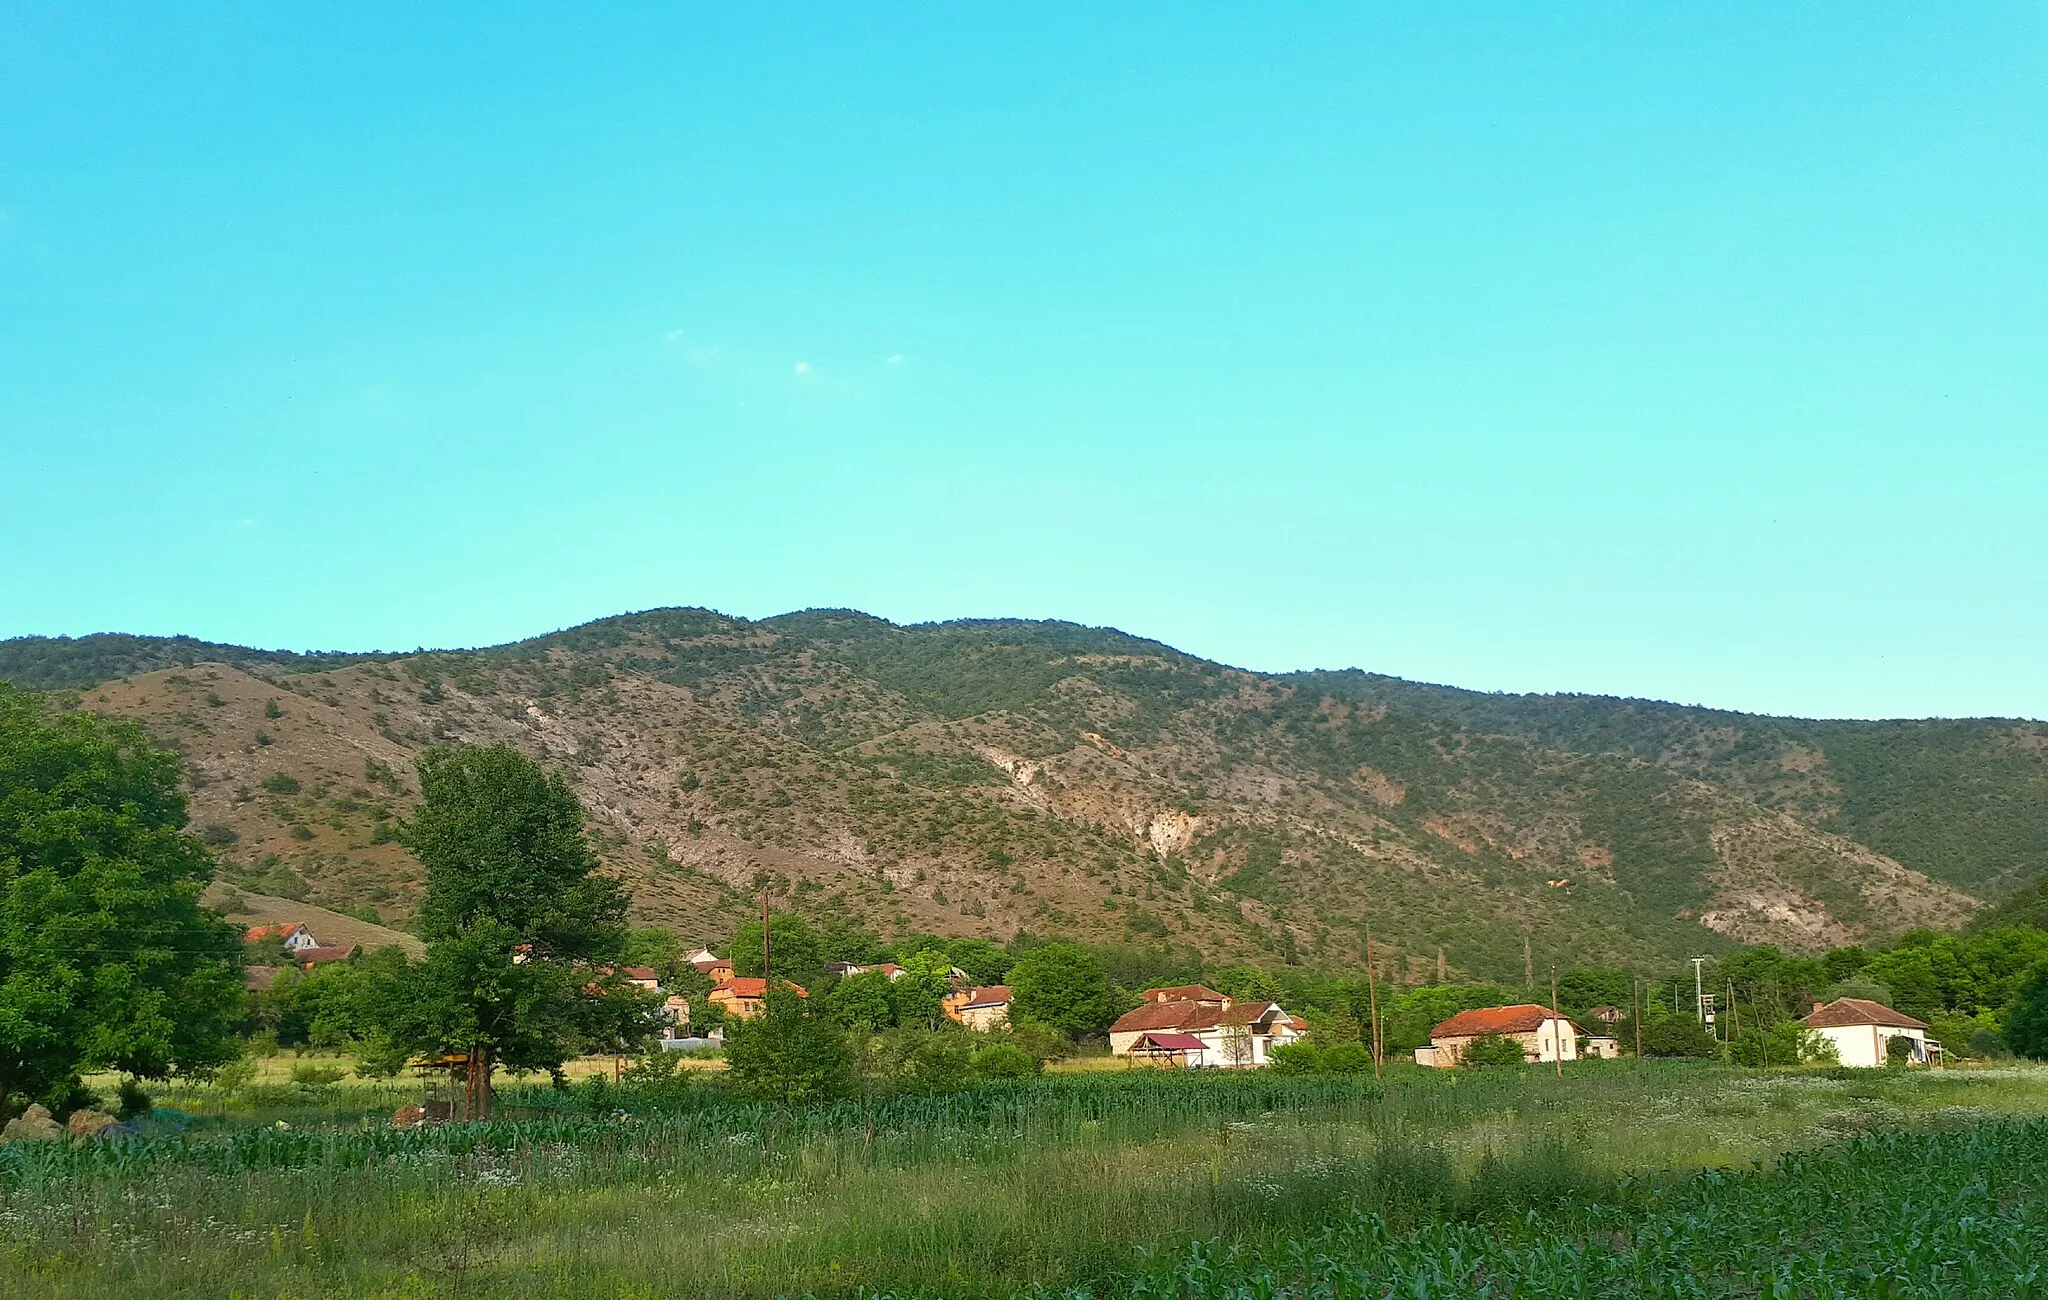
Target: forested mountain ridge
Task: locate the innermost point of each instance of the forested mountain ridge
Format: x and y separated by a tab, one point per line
992	776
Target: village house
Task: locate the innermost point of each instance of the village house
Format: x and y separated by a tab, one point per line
1195	1026
720	971
887	968
741	997
321	954
292	934
645	978
984	1009
1544	1035
1861	1031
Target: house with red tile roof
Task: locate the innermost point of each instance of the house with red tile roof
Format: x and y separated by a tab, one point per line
1544	1035
741	997
1234	1035
308	958
1862	1030
984	1008
292	934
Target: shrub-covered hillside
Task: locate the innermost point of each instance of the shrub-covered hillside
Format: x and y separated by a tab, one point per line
996	776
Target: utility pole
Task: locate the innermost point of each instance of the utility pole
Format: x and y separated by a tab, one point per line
1556	1025
1439	963
1372	998
1699	992
1734	1016
1528	964
764	943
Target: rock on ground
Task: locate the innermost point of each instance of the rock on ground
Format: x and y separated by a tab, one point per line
33	1125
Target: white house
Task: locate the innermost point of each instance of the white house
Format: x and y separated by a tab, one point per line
1231	1035
292	934
1861	1030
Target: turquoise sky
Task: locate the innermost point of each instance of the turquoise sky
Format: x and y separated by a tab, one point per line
1698	353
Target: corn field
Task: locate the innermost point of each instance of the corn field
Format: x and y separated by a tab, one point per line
1484	1183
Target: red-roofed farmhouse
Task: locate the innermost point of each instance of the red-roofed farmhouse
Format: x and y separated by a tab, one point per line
1862	1030
1542	1033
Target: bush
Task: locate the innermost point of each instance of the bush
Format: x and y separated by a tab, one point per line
218	836
133	1102
1290	1059
1040	1041
280	783
1986	1044
313	1076
1347	1058
1898	1051
1679	1036
789	1054
235	1075
1002	1061
1493	1049
940	1065
1785	1043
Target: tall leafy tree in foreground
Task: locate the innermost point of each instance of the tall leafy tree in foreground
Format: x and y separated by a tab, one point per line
519	924
107	959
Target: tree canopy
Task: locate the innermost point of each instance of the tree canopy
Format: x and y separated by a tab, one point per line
789	1052
521	928
1062	985
107	958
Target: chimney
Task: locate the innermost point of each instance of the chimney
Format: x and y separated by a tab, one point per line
1816	1008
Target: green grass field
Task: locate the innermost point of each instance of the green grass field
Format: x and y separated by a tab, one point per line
1503	1182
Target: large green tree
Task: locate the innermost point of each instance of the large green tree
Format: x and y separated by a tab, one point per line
2026	1028
795	950
521	927
107	958
1062	985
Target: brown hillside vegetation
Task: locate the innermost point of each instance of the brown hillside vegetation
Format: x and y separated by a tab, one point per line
989	778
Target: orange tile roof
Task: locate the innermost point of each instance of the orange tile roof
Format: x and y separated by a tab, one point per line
257	934
1521	1019
1184	1016
1843	1012
753	986
997	995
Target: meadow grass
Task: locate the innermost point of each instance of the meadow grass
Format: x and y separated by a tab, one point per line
1045	1185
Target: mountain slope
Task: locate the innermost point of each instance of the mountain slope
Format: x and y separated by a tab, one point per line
992	776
